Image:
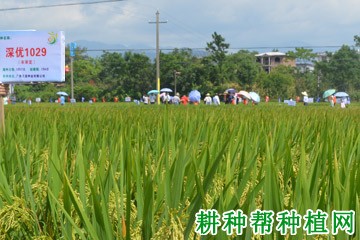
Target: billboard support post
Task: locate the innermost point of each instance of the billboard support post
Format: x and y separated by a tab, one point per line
4	89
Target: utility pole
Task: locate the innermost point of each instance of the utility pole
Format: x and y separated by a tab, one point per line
72	55
176	73
157	55
72	77
318	84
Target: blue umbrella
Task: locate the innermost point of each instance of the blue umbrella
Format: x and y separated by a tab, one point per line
230	91
254	96
153	92
194	96
341	94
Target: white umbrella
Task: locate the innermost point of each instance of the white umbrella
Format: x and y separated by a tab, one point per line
244	94
168	90
62	93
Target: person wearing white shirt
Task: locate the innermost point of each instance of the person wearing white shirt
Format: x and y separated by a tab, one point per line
145	99
216	99
152	98
305	99
176	99
208	99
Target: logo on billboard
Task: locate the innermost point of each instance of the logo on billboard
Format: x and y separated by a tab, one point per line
53	37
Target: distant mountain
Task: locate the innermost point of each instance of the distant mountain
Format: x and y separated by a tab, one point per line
96	49
291	45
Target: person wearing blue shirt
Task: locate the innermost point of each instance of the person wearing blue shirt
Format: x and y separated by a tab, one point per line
62	100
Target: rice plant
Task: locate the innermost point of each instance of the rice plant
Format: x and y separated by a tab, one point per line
120	171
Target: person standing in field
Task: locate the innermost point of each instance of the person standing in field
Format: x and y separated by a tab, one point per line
305	98
245	101
184	100
176	99
62	100
216	99
230	98
207	99
145	99
267	99
343	103
152	98
166	98
331	100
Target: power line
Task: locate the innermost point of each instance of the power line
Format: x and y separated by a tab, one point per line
58	5
203	48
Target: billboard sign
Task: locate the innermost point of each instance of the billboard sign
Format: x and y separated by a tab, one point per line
72	49
32	56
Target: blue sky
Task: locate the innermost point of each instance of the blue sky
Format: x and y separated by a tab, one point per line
243	23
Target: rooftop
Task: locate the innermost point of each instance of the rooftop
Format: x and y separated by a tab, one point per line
270	54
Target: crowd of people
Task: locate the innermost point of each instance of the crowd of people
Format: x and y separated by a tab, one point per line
216	99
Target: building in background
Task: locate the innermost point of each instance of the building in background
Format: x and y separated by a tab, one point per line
269	60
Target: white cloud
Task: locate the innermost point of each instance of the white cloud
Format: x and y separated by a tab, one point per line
191	23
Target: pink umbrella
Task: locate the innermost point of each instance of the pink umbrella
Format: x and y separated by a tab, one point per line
244	94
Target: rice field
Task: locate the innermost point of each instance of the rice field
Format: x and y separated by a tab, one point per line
123	171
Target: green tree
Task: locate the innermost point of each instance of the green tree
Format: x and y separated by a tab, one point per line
217	50
280	82
86	90
85	70
301	53
189	68
241	68
139	74
304	80
342	71
112	73
357	40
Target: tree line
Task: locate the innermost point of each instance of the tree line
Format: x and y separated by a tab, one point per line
115	74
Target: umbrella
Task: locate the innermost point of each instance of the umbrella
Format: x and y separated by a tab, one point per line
254	96
328	92
244	94
194	96
341	94
304	93
62	93
230	91
153	92
165	90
